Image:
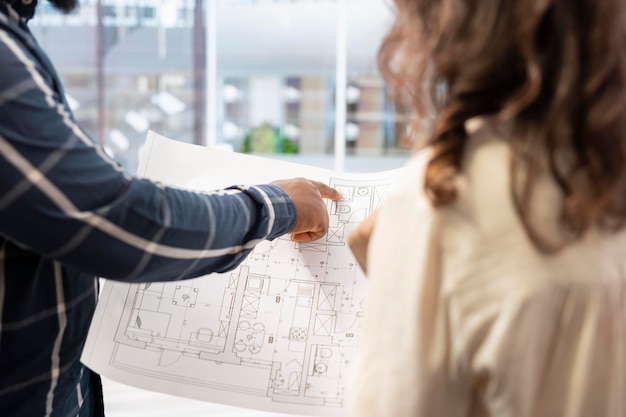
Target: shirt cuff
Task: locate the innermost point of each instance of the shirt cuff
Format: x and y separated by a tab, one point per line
279	208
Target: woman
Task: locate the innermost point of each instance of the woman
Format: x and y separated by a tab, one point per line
498	265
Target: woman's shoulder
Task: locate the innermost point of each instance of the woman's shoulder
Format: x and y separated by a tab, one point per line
483	237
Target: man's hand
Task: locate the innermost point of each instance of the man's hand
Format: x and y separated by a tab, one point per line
312	216
359	240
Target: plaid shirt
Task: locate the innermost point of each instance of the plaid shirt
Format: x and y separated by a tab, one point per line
68	214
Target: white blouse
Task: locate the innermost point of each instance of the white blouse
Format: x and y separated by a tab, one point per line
465	317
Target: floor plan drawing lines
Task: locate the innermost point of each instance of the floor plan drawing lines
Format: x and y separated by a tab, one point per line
278	333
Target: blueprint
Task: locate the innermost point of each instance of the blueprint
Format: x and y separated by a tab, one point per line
279	333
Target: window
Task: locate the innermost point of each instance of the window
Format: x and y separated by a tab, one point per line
258	76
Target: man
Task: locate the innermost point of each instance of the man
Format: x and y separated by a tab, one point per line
68	214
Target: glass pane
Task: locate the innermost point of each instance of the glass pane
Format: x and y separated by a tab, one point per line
130	73
276	68
375	132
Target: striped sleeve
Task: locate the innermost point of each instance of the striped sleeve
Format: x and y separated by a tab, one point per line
61	196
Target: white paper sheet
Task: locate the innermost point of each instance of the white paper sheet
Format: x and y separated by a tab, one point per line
277	334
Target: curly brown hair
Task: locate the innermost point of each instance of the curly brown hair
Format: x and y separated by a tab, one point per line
556	69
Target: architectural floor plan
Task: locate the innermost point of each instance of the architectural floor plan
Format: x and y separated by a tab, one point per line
279	333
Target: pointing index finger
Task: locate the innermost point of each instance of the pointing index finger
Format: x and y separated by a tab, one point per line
328	192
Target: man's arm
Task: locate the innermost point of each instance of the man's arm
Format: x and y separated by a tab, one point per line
61	196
